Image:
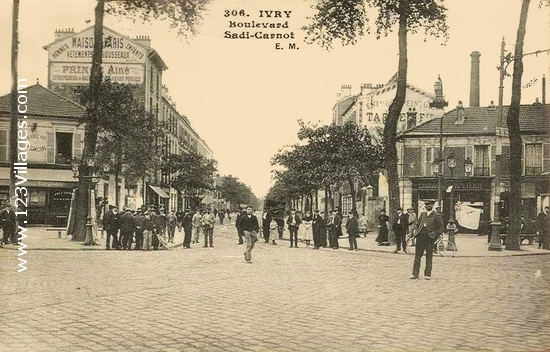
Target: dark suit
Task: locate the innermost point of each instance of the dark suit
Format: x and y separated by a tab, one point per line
293	222
543	227
352	227
9	226
400	229
187	224
318	229
265	225
111	225
127	227
428	230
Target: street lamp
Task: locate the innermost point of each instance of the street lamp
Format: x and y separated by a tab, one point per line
92	179
468	166
439	103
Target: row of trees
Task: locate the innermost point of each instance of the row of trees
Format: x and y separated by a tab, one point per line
328	156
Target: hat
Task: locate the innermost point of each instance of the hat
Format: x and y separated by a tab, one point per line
399	208
316	210
429	201
411	208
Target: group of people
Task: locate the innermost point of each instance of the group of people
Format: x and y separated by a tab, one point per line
150	227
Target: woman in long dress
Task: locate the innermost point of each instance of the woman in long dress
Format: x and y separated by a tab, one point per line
383	232
307	222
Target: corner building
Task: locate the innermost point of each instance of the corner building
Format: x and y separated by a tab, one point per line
129	61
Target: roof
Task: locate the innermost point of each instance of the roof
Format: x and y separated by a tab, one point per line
392	85
43	102
345	104
482	121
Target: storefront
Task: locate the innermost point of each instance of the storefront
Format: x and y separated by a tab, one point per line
470	197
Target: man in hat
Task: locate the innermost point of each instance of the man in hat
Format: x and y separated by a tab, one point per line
172	222
111	225
352	227
400	225
266	220
250	227
197	225
9	224
138	222
430	227
208	221
127	226
240	213
543	228
187	224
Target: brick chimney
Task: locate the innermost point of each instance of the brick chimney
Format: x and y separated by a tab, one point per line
474	79
345	90
143	40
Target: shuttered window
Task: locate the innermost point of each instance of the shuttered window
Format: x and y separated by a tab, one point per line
3	145
50	148
77	145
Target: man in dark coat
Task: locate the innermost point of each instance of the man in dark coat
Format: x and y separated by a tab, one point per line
238	225
138	222
266	220
187	224
430	227
250	227
543	228
127	227
400	229
179	216
111	225
9	224
352	228
293	222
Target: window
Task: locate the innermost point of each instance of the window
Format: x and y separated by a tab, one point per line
429	156
3	145
533	159
481	160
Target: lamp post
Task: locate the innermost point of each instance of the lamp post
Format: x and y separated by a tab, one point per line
439	103
91	181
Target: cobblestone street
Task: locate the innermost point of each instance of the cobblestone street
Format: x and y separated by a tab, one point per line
287	300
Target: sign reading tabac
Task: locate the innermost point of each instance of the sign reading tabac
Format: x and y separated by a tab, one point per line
79	48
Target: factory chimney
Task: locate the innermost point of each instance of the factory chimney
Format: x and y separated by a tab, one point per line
474	79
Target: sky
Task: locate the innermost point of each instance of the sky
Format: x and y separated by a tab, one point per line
244	97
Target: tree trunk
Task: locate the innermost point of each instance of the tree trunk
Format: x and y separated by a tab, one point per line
352	191
512	119
90	134
390	129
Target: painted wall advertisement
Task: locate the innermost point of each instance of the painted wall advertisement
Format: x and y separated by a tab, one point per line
79	73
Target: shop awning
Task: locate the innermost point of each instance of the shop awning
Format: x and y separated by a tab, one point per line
159	191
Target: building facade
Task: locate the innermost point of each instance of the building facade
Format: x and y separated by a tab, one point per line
129	61
468	135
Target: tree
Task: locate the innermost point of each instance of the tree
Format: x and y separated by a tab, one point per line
183	14
130	152
236	192
514	135
190	173
346	20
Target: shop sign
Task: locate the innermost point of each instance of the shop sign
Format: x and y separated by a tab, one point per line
51	184
464	185
79	73
80	47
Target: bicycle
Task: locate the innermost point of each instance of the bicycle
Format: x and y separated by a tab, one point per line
443	247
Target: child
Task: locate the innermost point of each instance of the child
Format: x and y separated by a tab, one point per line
273	231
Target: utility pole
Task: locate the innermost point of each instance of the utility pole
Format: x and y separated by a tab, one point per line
499	132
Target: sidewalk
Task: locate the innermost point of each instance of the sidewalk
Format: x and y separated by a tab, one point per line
38	238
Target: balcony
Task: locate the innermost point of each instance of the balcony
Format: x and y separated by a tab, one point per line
481	171
533	170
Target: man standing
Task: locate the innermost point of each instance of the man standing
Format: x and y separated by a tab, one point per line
110	225
148	228
238	225
138	222
127	225
430	227
197	224
179	216
400	229
352	227
293	223
9	224
187	224
543	228
250	227
266	220
208	221
337	228
172	222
